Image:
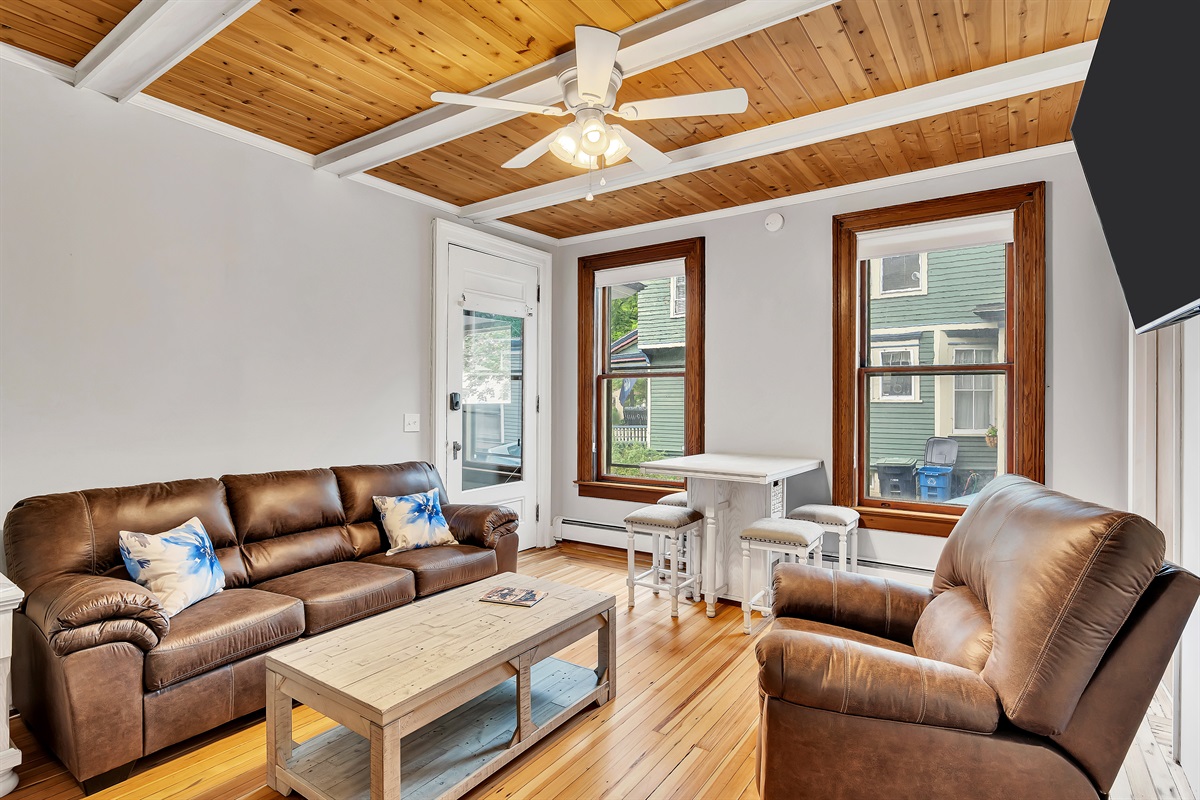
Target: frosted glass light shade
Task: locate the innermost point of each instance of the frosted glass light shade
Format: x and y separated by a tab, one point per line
567	147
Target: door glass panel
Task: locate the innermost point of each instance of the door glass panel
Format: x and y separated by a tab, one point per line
493	413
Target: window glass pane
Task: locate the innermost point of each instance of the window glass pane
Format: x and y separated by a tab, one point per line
898	434
491	398
954	309
640	330
644	421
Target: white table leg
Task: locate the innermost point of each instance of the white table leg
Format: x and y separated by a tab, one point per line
710	558
746	586
675	575
842	550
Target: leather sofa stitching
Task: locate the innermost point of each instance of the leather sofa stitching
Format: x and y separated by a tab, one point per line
347	598
223	636
835	597
225	660
924	690
846	676
887	608
1062	612
87	510
358	616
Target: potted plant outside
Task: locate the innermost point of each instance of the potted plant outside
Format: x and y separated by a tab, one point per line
990	436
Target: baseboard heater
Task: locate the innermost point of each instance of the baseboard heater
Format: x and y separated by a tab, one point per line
594	532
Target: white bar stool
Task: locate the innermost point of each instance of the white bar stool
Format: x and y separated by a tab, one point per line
673	527
834	519
792	538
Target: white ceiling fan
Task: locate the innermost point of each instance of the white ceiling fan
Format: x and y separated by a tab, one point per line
590	93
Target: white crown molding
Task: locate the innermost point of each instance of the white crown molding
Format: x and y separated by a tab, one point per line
934	173
153	37
1055	68
661	39
24	58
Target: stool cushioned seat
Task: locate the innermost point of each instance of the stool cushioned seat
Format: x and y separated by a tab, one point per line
664	517
675	499
825	515
783	531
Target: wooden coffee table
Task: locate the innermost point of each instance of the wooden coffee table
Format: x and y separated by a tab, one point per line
444	691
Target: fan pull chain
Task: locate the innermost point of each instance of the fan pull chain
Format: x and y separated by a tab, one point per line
589	193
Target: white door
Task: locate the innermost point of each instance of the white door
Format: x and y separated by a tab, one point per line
491	403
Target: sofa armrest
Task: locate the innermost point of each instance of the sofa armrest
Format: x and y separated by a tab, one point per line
75	612
481	526
863	603
847	677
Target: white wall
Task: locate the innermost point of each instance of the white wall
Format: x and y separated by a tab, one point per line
769	341
176	304
1188	701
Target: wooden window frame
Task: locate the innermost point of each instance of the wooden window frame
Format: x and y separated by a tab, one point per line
590	482
1026	347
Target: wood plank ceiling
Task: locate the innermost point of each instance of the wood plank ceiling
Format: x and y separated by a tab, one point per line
315	74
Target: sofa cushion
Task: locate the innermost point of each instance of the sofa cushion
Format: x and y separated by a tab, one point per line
335	594
226	627
442	567
838	632
359	484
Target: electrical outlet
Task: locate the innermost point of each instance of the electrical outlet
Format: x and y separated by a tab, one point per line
412	423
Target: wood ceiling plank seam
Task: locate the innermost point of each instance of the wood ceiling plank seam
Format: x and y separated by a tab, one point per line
1055	112
860	148
861	20
910	43
790	96
984	23
112	12
1066	23
327	126
1026	29
499	21
736	187
675	81
813	166
46	25
338	99
729	60
54	51
400	176
947	34
636	205
993	126
912	145
80	16
665	134
299	100
837	154
672	204
828	35
968	140
762	173
709	77
457	168
791	40
430	70
785	181
232	113
1023	121
938	141
687	187
641	9
1096	12
561	17
606	15
891	155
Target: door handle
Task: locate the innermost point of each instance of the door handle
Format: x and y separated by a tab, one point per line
455	448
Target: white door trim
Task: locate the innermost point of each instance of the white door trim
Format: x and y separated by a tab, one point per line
446	233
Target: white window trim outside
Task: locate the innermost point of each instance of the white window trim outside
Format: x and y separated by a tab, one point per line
955	430
675	297
914	351
875	271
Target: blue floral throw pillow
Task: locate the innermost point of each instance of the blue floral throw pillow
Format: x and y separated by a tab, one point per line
413	521
178	566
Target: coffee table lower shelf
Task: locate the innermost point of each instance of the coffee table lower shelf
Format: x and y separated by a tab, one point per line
455	752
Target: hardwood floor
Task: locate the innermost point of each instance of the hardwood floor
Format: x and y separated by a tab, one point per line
683	724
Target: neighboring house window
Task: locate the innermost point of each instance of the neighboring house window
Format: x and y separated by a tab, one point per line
974	395
895	388
960	283
678	296
641	367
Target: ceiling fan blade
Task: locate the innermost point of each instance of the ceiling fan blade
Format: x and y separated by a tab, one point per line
493	102
702	104
642	153
531	153
595	57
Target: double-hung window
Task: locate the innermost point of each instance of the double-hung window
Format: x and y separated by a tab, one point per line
641	367
939	354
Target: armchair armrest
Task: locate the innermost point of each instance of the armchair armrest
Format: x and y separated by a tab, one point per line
857	679
75	612
481	526
864	603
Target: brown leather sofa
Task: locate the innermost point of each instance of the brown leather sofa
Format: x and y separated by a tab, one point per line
1024	672
102	678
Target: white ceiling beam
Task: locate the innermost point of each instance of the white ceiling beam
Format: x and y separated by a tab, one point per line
662	39
1035	73
155	36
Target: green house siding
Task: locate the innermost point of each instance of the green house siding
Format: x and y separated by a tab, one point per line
959	282
666	416
656	326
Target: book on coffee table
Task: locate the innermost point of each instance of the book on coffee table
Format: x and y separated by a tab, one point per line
513	596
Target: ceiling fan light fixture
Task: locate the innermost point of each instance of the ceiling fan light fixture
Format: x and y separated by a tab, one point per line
565	145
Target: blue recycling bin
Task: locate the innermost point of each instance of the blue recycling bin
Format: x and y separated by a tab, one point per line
934	482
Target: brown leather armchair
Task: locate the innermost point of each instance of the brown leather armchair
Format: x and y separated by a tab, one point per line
1024	672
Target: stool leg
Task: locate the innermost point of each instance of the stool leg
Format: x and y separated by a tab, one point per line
656	547
675	575
842	550
629	549
854	550
746	590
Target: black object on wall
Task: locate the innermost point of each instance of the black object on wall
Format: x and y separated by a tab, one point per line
1134	142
